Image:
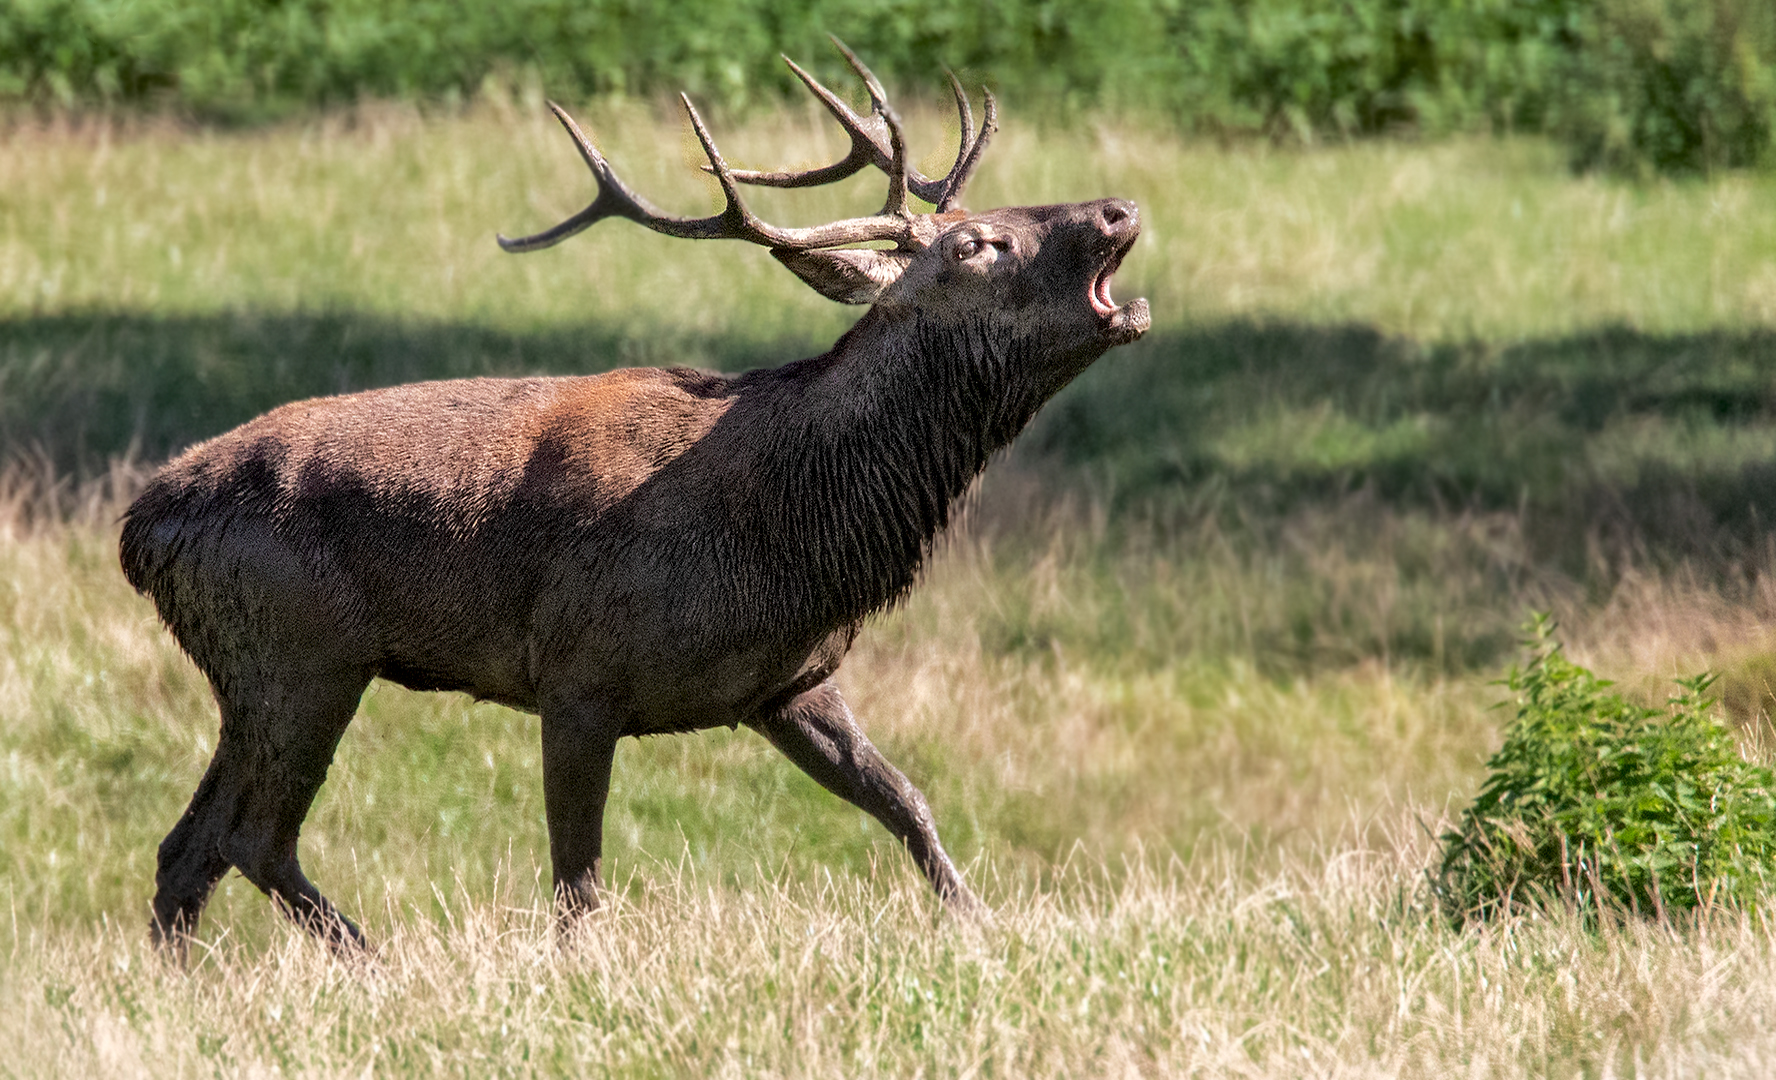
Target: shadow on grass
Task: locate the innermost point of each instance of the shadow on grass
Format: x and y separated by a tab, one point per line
1661	445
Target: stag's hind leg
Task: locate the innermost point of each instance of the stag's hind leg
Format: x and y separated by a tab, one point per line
293	745
818	733
287	673
277	741
191	859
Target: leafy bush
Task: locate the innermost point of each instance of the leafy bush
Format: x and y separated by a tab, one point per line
1301	67
1605	805
1673	86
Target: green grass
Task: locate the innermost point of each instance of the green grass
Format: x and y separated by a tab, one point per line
379	211
1197	684
1464	324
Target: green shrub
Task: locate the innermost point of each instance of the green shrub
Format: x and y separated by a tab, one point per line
1295	68
1306	67
1609	806
1672	86
68	52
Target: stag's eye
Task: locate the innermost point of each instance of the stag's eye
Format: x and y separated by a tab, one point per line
983	250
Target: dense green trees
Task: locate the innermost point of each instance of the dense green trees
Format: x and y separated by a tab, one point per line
1636	85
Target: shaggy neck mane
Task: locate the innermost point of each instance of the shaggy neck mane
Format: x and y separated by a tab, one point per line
906	414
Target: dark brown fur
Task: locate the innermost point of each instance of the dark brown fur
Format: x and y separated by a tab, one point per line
639	552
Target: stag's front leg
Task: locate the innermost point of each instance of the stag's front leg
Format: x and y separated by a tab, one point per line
579	744
818	733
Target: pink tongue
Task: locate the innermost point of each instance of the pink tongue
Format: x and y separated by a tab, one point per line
1101	295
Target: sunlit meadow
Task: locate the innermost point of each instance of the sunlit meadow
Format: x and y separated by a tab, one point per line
1190	693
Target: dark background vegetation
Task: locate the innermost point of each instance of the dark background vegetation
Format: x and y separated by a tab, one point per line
1638	86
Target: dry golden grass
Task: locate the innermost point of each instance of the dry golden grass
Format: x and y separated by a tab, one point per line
1322	967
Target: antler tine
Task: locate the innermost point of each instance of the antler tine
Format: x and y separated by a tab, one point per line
864	148
614	199
739	220
734	212
966	162
897	174
878	96
739	223
964	113
867	146
897	164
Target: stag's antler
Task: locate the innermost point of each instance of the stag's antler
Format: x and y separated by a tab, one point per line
868	134
735	222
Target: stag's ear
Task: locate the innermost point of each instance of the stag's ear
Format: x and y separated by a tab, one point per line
850	276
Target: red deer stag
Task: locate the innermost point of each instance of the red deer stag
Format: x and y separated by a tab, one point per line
633	553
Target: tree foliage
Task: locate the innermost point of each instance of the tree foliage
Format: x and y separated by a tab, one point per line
1633	85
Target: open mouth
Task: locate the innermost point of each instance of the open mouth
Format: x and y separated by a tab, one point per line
1126	322
1101	301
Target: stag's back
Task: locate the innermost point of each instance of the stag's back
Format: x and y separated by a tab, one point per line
412	529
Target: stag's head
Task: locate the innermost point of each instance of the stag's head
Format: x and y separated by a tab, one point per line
1045	267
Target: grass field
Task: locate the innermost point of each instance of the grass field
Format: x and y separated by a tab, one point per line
1210	659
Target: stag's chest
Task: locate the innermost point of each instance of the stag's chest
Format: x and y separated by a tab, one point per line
688	627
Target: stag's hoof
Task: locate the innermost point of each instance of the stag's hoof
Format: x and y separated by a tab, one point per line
967	909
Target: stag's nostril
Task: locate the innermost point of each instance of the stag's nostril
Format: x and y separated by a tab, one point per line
1117	216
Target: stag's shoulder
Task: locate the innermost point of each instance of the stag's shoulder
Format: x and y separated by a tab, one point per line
621	428
639	399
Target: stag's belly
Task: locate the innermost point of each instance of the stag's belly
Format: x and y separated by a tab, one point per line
491	677
700	653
